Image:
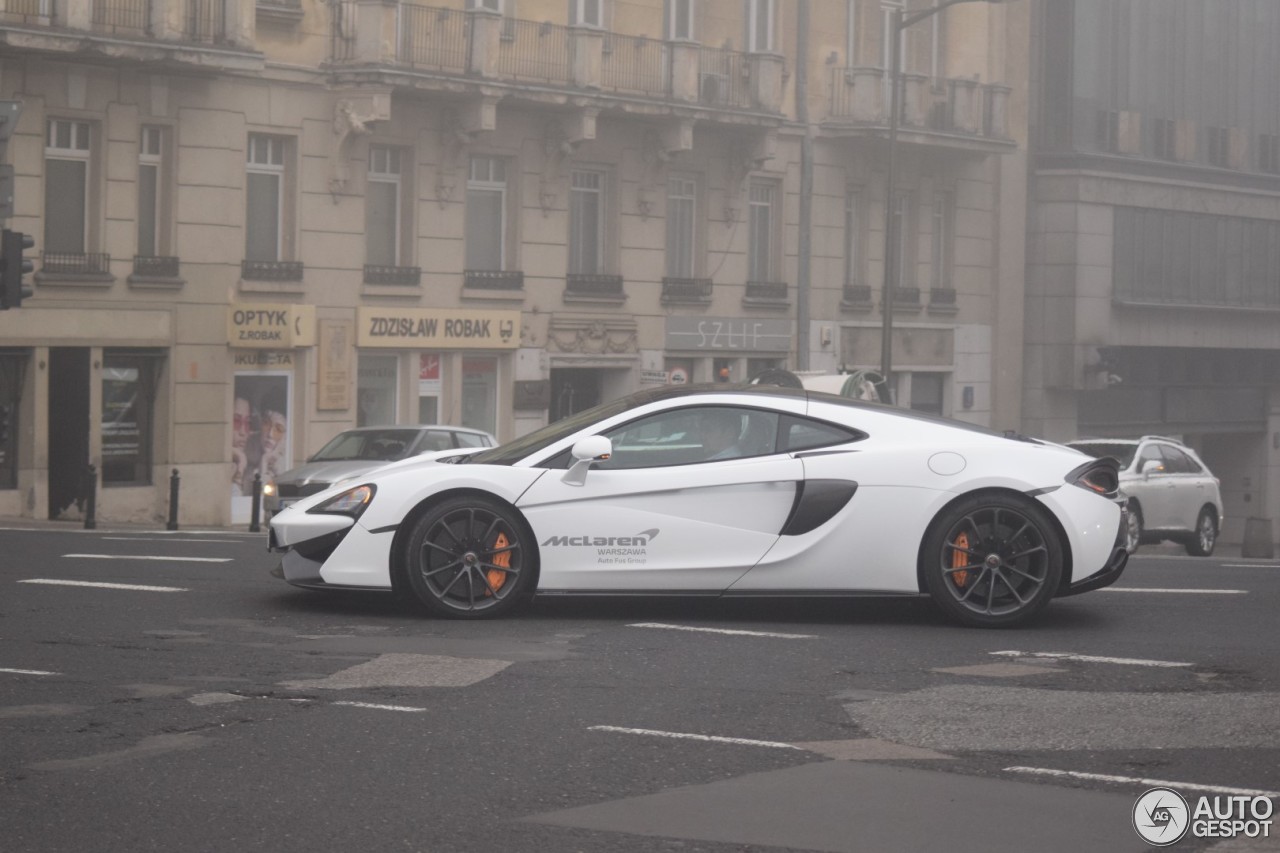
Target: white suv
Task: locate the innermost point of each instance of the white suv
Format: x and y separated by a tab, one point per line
1172	494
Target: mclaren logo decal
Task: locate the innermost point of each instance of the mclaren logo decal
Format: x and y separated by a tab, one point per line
640	540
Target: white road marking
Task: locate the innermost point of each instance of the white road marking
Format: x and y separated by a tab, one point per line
1136	780
149	539
729	631
149	557
106	585
1188	591
1091	658
380	707
28	671
1249	566
686	736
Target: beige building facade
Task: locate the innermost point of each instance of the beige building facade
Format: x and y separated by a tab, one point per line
260	224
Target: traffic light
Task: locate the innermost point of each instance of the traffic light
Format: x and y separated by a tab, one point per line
13	267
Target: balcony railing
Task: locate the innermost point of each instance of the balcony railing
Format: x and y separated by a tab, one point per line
271	270
906	296
75	263
771	291
206	21
530	50
860	96
155	267
686	289
591	284
28	11
431	37
942	298
635	64
856	294
493	279
128	17
405	276
722	78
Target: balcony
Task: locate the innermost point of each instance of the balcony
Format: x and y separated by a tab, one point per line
766	294
505	280
942	300
686	290
593	287
939	112
481	53
271	270
75	269
395	276
205	35
856	297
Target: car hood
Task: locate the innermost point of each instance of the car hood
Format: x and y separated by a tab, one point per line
328	472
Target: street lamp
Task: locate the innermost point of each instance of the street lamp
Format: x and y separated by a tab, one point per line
899	22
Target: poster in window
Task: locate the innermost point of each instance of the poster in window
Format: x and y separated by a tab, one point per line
259	436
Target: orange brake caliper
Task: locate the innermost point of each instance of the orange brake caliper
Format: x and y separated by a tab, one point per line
496	578
959	559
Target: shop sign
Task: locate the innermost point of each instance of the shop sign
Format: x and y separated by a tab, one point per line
437	328
259	325
262	359
728	334
653	377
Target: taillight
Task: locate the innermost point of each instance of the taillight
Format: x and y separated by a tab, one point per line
1100	476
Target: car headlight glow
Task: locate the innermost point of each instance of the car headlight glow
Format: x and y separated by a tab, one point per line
268	488
352	502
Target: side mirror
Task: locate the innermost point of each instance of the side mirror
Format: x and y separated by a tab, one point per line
585	453
1152	466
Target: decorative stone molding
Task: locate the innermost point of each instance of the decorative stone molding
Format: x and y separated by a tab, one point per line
745	155
459	129
656	151
560	140
592	335
352	117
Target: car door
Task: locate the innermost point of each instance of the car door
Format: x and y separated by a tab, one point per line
661	514
1188	492
1153	489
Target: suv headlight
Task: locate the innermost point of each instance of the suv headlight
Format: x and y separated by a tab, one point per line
352	502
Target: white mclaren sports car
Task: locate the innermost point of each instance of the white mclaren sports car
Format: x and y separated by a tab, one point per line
723	491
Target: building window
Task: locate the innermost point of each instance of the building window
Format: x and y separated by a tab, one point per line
925	392
759	15
851	32
264	198
887	8
382	207
66	186
682	198
128	403
150	191
1269	153
1108	131
1219	148
480	393
586	13
852	237
486	226
376	383
902	257
1164	139
762	198
943	236
491	5
586	222
679	15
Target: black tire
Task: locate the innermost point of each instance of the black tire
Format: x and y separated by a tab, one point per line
1133	531
1205	536
992	560
470	558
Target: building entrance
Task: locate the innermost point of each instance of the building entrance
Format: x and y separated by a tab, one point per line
68	427
574	389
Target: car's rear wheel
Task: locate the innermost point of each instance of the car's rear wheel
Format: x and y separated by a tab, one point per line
1133	528
992	560
469	558
1205	535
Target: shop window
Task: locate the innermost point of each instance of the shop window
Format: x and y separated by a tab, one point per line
13	366
429	387
376	382
480	393
129	382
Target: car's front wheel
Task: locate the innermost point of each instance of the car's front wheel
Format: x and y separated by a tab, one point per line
992	560
469	558
1205	535
1133	528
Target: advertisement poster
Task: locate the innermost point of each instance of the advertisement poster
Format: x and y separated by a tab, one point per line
259	435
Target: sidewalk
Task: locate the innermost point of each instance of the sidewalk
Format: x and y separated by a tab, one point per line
77	526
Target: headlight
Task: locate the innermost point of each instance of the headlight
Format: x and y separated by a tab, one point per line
1100	476
268	488
352	502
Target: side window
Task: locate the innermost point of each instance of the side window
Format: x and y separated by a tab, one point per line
1149	452
470	439
1178	462
804	434
687	436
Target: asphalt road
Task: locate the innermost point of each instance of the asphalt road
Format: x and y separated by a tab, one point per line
208	706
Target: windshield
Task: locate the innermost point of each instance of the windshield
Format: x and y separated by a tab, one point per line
526	445
374	444
1122	452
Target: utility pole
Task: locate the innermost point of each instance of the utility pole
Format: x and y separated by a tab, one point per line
806	185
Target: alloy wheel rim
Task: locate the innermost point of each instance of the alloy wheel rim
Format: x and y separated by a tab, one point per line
1132	532
1206	533
470	559
995	561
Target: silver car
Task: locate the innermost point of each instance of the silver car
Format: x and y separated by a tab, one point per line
358	451
1172	494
